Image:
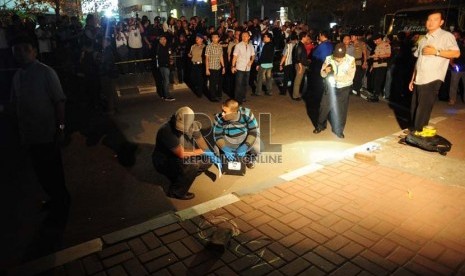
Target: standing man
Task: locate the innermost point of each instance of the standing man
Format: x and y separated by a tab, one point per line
243	58
301	64
457	71
380	62
265	66
433	52
338	71
196	55
286	64
214	64
163	60
360	55
40	107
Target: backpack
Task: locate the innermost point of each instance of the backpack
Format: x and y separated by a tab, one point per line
436	143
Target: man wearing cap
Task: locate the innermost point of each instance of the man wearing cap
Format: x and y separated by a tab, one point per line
178	149
380	58
338	70
196	55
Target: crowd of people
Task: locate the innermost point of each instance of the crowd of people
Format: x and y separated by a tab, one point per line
321	66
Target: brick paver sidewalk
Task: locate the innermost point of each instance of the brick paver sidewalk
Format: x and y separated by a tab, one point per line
349	218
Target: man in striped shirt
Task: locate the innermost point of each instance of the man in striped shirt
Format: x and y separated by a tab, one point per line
214	64
236	132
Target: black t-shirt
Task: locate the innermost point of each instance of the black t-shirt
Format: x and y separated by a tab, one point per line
169	138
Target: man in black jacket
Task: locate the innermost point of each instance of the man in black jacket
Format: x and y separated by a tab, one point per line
265	66
301	64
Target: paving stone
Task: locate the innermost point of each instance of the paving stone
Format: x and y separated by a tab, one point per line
178	268
113	250
329	220
281	208
292	239
242	225
167	229
337	243
379	260
75	268
314	235
135	268
350	250
163	272
243	206
314	271
174	236
179	249
358	239
319	262
341	226
234	210
384	247
432	266
262	268
329	255
383	228
366	233
199	258
92	264
270	232
281	227
401	255
252	215
256	222
290	217
153	254
189	226
282	252
101	273
206	267
245	262
322	230
452	259
348	269
224	271
117	259
193	244
431	250
161	262
228	256
295	267
369	266
137	246
151	240
300	223
304	246
116	271
405	242
402	272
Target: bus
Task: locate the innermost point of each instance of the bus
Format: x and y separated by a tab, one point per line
413	19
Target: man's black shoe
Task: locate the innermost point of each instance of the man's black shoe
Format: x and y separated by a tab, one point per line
318	130
340	135
187	196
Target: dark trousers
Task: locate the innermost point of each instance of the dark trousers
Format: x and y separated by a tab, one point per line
197	79
358	78
423	99
47	164
242	79
135	54
379	78
334	105
181	174
165	81
180	69
215	84
289	75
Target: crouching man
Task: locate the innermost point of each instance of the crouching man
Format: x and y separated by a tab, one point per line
180	152
236	133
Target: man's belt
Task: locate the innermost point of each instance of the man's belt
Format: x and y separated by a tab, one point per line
381	60
197	62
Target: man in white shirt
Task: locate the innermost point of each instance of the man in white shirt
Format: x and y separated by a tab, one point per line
44	36
243	58
433	52
135	43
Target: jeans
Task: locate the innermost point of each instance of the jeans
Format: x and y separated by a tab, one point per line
388	84
165	82
242	79
264	74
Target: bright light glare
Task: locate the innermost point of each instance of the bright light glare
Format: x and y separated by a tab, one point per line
332	24
108	13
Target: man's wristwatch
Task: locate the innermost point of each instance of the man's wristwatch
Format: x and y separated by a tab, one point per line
61	127
438	52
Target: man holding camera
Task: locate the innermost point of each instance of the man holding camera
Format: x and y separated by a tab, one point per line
338	70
